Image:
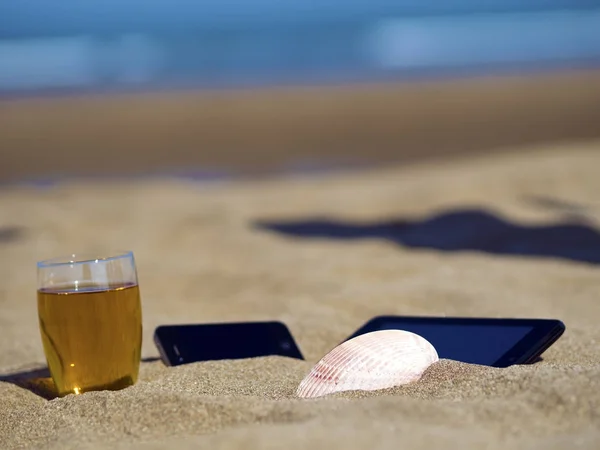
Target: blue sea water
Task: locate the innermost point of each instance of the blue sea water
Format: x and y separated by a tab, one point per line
131	44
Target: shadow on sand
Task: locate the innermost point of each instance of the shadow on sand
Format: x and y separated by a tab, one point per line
39	381
460	230
10	234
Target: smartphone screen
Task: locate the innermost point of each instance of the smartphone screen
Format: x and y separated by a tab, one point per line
182	344
490	342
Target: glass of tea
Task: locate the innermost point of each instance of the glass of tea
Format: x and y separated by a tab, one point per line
90	318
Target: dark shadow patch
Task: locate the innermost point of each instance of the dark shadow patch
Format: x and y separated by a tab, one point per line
11	234
39	380
456	231
150	359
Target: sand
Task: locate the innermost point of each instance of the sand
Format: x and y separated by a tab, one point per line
223	251
286	128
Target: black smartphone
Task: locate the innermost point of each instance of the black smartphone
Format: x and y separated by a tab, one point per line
183	344
484	341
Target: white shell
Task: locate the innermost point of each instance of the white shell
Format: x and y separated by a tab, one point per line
371	361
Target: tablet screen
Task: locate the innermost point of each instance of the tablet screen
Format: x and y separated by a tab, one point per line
470	343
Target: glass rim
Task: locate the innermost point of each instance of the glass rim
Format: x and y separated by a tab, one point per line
83	258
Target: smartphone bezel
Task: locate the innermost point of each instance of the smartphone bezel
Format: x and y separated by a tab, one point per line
544	332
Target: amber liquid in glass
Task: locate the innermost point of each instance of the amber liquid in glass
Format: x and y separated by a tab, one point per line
92	337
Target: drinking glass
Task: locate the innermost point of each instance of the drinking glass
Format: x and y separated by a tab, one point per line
90	318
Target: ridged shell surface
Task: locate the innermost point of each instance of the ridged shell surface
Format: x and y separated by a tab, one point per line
371	361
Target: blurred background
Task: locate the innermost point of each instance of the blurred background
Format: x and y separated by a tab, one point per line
223	88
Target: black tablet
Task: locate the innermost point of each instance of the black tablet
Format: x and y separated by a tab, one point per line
485	341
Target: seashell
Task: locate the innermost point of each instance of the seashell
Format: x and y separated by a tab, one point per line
368	362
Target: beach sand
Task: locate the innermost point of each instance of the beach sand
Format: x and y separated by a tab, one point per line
468	237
